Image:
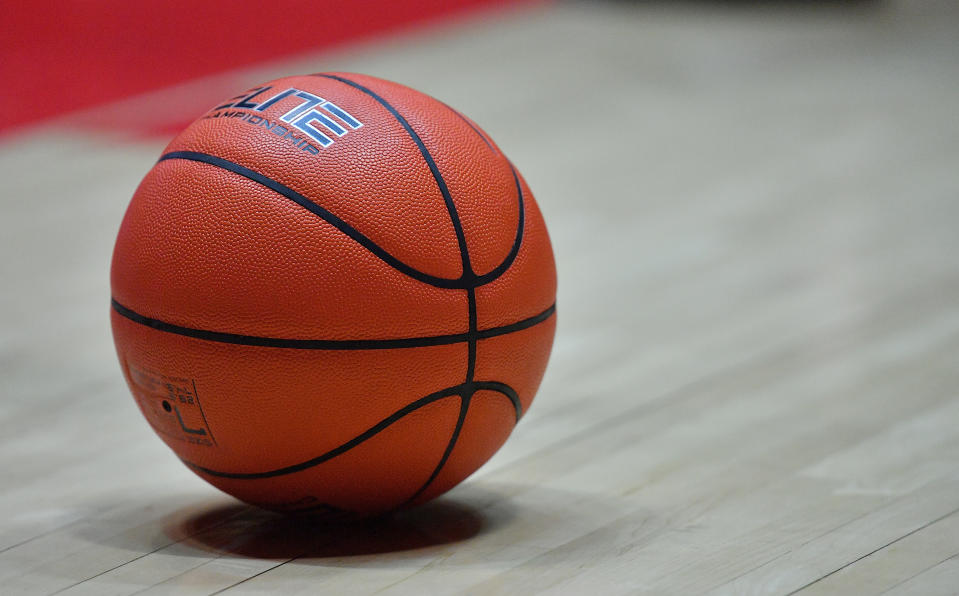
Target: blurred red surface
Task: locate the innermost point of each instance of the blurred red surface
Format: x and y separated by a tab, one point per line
63	55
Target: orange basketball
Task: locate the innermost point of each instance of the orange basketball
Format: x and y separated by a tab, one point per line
333	293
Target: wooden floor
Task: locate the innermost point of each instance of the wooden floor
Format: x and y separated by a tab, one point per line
755	383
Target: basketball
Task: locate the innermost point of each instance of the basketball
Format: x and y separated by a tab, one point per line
333	294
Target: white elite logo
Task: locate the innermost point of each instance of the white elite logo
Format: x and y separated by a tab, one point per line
318	118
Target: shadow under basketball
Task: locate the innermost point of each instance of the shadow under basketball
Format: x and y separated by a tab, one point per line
247	531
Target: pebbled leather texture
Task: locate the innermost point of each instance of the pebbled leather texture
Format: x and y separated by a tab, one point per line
215	266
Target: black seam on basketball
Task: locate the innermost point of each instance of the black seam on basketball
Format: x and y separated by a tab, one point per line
468	274
478	280
517	242
460	419
473	126
329	217
506	390
466	389
464	397
471	336
362	437
330	344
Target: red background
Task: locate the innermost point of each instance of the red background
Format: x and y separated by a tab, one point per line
63	55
